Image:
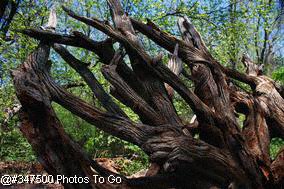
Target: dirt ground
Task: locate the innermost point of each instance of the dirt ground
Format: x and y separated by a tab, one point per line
23	168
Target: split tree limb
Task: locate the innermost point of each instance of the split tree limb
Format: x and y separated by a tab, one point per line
90	79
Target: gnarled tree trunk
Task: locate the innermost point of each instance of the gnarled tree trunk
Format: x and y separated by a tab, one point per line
225	155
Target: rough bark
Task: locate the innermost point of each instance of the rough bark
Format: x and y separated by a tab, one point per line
3	5
225	154
12	12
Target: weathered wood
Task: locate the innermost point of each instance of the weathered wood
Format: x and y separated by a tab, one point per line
3	5
37	117
224	156
90	79
175	65
156	95
277	169
130	98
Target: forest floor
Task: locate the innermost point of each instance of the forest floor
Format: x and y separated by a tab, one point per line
25	169
35	168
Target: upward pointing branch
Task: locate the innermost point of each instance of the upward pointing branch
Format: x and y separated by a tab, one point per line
52	20
175	65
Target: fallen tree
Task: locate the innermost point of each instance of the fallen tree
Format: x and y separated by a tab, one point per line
225	155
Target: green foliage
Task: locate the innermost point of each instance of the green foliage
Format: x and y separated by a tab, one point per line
278	75
7	97
183	110
275	146
131	167
99	144
14	147
241	119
